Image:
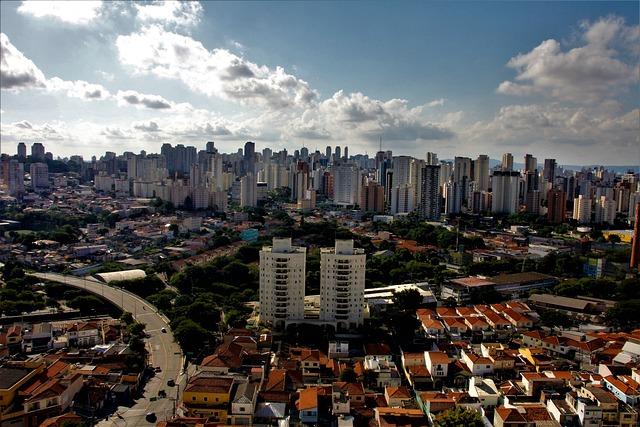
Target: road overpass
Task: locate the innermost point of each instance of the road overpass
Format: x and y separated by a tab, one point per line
164	352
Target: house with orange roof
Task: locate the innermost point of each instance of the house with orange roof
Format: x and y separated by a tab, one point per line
497	353
478	365
495	320
52	397
64	419
397	397
431	326
624	388
391	417
518	320
465	311
307	405
524	414
476	323
437	362
455	325
447	312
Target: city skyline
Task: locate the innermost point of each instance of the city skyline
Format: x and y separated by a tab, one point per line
133	77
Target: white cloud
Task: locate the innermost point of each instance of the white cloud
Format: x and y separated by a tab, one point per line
563	130
131	97
78	89
106	76
71	12
436	103
17	71
217	73
178	14
597	69
150	126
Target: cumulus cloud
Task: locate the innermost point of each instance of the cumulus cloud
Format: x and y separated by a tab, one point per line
78	89
17	71
115	133
369	119
561	129
590	72
150	126
436	103
217	72
70	12
24	124
132	97
177	14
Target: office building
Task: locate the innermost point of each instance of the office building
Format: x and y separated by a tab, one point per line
342	270
432	159
549	171
282	281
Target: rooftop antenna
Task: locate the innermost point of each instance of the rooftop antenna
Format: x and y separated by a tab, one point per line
380	143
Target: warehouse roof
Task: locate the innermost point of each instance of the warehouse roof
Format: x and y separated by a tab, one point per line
121	275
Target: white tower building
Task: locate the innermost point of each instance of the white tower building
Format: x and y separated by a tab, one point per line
342	270
282	280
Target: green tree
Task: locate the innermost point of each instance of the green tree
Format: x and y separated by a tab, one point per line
459	417
624	314
348	375
189	334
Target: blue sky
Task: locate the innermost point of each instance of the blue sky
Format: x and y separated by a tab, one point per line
557	79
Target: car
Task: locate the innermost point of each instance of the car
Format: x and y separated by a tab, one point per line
146	334
162	393
171	383
164	330
157	369
151	417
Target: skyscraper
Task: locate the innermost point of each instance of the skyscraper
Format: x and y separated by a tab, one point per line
342	270
372	197
429	206
582	209
504	187
282	282
39	175
507	162
556	205
22	151
432	158
530	163
249	160
37	152
462	176
549	171
248	190
481	172
346	184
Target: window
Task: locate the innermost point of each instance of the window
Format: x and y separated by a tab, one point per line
242	409
193	398
206	399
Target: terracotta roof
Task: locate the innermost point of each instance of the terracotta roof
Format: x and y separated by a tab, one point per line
204	384
398	392
438	357
308	399
510	415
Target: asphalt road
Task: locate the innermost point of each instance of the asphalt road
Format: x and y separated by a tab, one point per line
163	351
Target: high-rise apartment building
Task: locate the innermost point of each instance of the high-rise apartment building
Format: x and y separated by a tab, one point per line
549	171
605	212
282	281
248	191
429	205
13	173
39	176
530	163
462	176
37	152
582	209
372	197
342	270
556	205
22	151
507	162
346	184
481	172
504	187
432	159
